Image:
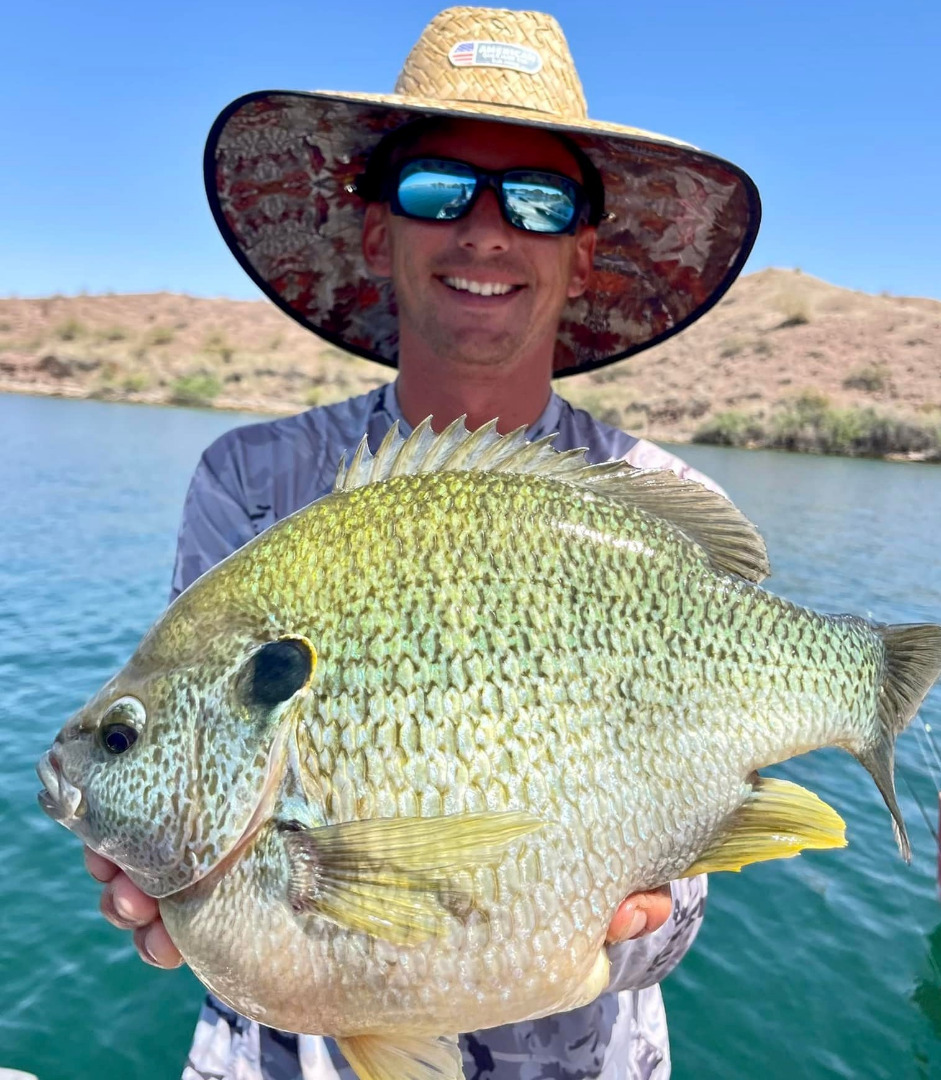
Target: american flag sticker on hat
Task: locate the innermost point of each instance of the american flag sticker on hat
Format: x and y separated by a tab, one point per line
495	54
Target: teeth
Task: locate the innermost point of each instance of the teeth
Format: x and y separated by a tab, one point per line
479	288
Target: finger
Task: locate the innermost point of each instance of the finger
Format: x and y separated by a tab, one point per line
125	906
640	914
100	868
155	947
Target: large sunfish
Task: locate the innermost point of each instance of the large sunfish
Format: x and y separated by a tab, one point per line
391	767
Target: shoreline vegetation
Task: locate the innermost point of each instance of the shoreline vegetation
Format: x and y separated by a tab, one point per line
784	361
811	425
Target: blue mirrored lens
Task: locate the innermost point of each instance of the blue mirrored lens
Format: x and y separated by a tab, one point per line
538	202
435	192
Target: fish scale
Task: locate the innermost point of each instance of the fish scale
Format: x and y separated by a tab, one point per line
418	741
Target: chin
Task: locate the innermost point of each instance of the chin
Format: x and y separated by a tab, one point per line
494	351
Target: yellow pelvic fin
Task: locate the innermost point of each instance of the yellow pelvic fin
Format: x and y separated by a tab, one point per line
398	879
403	1057
777	821
595	983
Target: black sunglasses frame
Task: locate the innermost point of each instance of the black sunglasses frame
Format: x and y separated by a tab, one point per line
483	179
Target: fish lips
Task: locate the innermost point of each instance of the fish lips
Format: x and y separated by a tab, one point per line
60	798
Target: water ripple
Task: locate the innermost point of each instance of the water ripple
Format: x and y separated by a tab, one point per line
824	966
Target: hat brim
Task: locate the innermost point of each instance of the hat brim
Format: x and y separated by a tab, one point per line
279	164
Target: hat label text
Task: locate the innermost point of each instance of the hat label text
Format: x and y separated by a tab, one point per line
495	54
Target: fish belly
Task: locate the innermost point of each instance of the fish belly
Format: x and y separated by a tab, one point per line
513	957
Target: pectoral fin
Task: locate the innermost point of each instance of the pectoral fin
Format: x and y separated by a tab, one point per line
404	1057
399	879
777	821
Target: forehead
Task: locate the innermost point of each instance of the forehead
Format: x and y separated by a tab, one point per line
493	146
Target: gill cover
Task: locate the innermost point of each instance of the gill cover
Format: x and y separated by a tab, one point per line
178	755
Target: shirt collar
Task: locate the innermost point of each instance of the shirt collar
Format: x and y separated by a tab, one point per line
546	424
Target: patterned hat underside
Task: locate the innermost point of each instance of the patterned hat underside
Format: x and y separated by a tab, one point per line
277	170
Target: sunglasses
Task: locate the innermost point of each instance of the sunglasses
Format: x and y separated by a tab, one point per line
440	189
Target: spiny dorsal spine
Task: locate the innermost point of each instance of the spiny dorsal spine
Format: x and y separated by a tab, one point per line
704	517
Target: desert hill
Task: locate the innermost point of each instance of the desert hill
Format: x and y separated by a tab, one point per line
784	359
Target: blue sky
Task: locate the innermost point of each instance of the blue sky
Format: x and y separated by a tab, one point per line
832	106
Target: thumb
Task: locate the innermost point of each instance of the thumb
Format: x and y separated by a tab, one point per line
639	914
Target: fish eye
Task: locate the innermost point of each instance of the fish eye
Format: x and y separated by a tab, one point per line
121	725
118	738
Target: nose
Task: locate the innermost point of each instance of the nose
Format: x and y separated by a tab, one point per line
484	229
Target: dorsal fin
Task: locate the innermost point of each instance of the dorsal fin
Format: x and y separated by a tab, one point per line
729	539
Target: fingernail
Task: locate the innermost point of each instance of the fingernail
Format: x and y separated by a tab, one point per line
148	957
143	949
108	910
123	908
637	924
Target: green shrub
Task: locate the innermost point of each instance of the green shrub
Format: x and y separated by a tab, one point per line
797	319
731	428
112	333
219	344
69	330
811	402
809	425
872	378
200	388
732	346
134	382
794	306
107	379
852	432
158	335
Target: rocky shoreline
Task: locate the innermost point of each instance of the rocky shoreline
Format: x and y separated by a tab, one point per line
783	361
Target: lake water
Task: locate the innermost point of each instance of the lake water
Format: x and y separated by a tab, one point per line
824	966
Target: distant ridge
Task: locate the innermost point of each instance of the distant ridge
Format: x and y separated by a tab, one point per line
780	345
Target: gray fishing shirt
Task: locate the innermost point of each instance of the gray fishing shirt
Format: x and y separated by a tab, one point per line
252	477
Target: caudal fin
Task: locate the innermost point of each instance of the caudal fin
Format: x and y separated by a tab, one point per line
912	666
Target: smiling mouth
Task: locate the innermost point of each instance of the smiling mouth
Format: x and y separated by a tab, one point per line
479	288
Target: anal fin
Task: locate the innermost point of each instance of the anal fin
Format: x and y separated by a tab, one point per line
777	821
403	1057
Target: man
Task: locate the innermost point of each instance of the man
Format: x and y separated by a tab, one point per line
495	243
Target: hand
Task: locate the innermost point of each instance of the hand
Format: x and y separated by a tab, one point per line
127	908
640	914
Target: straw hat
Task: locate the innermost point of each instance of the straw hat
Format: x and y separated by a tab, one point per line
281	167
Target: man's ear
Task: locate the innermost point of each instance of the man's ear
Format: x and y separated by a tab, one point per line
582	260
376	240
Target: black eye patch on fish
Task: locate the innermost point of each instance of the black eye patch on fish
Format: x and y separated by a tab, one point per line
279	669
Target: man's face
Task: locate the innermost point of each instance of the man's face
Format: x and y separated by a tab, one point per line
432	264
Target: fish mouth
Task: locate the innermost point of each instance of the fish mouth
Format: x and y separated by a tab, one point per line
60	798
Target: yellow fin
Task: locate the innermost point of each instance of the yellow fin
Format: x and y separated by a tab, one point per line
595	983
777	821
403	1057
396	878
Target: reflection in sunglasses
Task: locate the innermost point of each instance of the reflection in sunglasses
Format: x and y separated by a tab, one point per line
438	190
